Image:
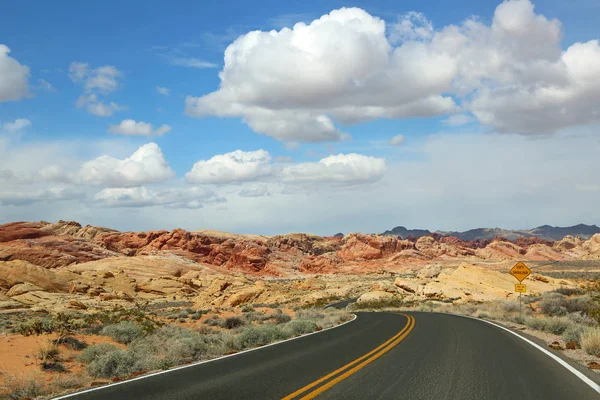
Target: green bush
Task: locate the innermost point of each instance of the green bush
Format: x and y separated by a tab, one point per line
299	327
71	343
123	332
112	364
281	317
233	322
557	325
573	334
36	326
258	336
196	316
247	308
393	302
569	291
553	304
92	352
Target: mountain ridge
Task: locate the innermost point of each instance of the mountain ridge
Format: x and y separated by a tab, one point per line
547	232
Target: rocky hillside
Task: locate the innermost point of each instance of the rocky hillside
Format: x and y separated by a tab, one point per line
545	232
65	265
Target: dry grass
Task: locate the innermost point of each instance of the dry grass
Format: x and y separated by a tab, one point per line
590	341
23	387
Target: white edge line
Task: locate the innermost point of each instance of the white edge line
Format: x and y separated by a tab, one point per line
197	363
556	358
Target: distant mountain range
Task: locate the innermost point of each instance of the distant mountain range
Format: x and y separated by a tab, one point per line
543	232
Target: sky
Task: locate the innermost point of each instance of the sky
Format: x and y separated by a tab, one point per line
322	116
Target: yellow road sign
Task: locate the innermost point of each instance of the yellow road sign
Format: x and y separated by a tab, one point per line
520	271
520	288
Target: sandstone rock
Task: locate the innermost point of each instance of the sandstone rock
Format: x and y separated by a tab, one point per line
429	272
310	284
556	346
406	285
383	286
571	345
78	305
78	287
375	296
246	295
540	278
593	365
22	288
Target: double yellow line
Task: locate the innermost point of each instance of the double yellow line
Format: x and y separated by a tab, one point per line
366	359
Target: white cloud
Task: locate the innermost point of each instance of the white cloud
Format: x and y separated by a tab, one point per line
342	169
146	165
255	191
458	120
14	77
397	140
241	166
45	85
102	79
132	128
190	62
191	198
237	166
298	83
27	197
97	107
96	81
14	127
163	90
283	159
411	26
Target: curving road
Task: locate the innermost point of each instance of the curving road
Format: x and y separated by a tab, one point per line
377	356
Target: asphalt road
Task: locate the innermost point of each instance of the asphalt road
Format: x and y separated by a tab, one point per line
426	356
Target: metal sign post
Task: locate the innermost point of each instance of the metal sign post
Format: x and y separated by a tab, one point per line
520	272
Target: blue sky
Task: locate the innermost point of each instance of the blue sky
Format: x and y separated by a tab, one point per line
463	93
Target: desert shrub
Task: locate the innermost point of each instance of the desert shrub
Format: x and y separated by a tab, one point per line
393	302
482	314
311	313
25	387
214	321
565	291
247	308
55	366
299	327
183	314
172	316
528	299
168	346
510	306
189	310
112	364
553	304
70	381
48	352
590	341
557	325
36	326
233	322
281	317
578	304
258	336
581	318
196	316
71	343
573	334
123	332
539	324
92	352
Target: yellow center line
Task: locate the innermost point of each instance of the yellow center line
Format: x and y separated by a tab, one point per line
393	341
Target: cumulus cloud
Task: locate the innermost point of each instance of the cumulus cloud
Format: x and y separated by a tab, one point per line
241	166
16	126
146	165
96	81
163	90
341	168
397	140
458	119
255	191
192	198
132	128
14	77
347	67
237	166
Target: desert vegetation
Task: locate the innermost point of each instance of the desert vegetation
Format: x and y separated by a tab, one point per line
139	340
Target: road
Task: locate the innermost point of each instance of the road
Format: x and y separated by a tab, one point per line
418	356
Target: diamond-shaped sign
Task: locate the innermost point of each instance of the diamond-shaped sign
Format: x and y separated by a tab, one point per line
520	271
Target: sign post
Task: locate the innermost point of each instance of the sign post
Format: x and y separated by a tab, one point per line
520	271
